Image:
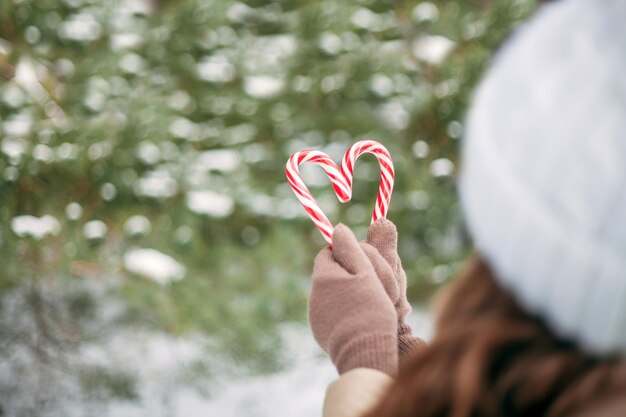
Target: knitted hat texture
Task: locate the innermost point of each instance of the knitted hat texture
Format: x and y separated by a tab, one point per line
543	175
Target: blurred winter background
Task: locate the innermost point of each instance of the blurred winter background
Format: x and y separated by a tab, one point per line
154	260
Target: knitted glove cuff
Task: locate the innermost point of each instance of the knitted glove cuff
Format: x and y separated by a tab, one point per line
407	343
375	350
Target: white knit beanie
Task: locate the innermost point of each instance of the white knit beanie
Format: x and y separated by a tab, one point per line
543	174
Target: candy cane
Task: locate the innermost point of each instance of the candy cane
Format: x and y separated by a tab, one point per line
341	180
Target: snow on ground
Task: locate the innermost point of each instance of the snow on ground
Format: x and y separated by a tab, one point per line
298	390
166	385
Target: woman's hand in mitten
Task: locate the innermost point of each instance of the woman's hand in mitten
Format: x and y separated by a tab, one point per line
383	236
350	313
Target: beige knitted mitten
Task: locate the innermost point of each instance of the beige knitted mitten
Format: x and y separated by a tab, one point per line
383	236
350	313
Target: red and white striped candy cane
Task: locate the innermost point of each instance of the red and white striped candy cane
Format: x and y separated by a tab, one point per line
387	173
341	180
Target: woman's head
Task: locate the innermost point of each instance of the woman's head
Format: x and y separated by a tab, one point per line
536	325
543	169
491	358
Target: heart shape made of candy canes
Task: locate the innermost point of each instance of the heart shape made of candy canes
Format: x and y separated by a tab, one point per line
341	180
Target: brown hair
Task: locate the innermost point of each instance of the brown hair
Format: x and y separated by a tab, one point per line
490	358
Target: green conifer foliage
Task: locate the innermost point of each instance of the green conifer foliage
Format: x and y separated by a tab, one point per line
130	127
